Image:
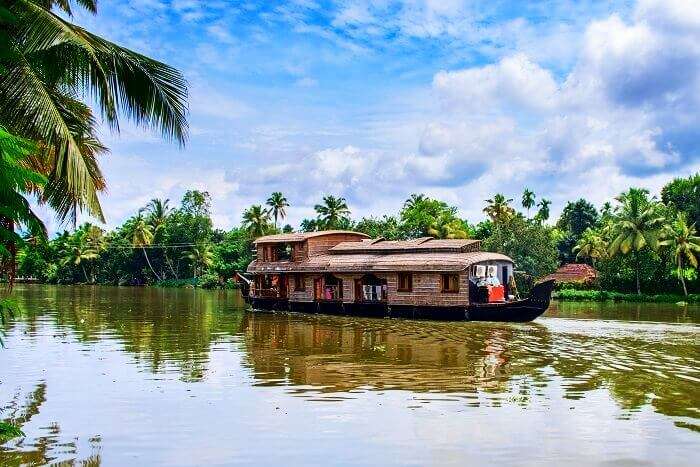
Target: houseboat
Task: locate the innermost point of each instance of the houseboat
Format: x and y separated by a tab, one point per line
343	272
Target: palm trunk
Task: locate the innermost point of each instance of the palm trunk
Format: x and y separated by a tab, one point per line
82	266
680	276
149	263
636	271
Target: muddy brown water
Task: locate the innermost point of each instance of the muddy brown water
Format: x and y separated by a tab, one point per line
132	376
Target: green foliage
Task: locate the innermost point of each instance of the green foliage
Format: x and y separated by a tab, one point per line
256	221
9	431
683	194
387	227
15	182
427	217
47	64
602	296
278	206
575	219
332	214
529	243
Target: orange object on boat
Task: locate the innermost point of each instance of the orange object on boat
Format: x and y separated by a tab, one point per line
496	293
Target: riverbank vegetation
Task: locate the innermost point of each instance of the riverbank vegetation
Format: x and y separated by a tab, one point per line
637	242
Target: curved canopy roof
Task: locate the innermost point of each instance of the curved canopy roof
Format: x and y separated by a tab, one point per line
301	236
392	262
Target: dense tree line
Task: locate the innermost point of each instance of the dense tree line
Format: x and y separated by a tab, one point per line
637	242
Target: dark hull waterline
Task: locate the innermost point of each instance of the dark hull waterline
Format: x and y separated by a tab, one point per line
519	311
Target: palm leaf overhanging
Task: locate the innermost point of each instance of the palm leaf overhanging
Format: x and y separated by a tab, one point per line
48	67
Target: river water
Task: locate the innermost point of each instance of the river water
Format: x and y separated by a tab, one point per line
131	376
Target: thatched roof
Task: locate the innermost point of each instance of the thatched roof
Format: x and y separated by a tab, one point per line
392	262
419	245
301	236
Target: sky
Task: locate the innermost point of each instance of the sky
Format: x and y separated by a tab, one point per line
375	100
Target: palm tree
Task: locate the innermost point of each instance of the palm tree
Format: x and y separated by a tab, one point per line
78	251
682	240
141	237
256	221
498	208
414	200
543	211
332	211
635	226
591	245
201	256
47	66
528	200
15	210
158	211
446	226
277	203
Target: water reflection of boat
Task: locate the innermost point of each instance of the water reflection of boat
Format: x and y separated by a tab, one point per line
342	354
342	272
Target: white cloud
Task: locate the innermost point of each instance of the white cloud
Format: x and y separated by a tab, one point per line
515	83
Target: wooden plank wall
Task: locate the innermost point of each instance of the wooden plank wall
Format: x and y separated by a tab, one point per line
321	245
427	290
306	295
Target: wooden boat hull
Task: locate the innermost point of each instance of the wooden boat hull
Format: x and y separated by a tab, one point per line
519	311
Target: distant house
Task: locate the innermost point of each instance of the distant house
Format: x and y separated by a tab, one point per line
574	273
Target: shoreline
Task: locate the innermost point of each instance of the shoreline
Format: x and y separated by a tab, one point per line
573	295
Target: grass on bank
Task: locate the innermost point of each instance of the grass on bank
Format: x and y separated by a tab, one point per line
207	281
603	296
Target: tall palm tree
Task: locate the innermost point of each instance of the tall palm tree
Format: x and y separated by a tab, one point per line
635	226
278	204
49	67
141	237
684	243
498	208
591	245
256	221
332	211
528	200
201	256
543	211
15	210
158	211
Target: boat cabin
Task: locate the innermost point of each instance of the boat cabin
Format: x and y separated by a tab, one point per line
343	271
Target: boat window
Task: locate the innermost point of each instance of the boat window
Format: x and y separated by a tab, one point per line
282	252
450	282
299	282
405	282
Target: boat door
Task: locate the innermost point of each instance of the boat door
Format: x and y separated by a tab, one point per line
504	274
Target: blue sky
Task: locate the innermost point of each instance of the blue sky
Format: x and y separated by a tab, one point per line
374	100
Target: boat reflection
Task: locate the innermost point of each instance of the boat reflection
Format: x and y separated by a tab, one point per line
487	362
330	354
